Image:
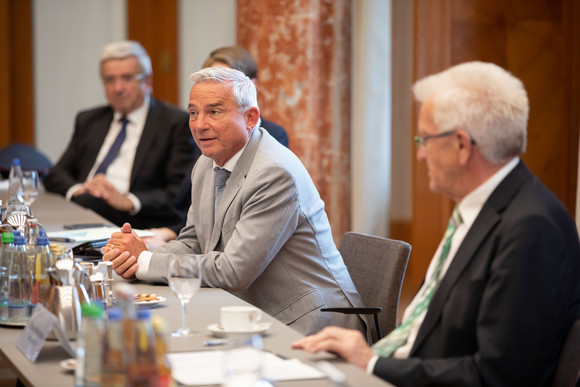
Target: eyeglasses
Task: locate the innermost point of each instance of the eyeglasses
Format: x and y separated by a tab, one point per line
422	140
125	79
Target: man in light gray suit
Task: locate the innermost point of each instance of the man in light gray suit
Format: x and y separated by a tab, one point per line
269	242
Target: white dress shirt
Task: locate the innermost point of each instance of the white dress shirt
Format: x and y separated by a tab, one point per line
119	171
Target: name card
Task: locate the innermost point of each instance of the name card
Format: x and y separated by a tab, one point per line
36	331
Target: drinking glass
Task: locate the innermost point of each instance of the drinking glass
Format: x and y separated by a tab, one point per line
30	188
184	280
243	361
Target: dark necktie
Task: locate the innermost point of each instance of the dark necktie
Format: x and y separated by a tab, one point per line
114	150
221	175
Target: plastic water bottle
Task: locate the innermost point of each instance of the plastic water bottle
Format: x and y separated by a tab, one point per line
163	365
19	284
143	360
114	356
5	261
90	346
42	262
15	182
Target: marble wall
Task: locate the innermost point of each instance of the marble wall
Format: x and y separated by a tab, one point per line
302	48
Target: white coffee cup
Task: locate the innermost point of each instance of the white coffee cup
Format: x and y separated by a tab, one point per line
239	318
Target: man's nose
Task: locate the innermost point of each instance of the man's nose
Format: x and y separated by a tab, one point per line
199	123
421	153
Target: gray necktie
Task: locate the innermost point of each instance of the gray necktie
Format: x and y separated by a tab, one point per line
221	175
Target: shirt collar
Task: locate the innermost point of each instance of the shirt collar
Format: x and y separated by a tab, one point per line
138	115
472	204
231	163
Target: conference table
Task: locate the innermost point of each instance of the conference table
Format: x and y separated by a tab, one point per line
52	211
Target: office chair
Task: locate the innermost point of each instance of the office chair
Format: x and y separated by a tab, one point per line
377	267
31	159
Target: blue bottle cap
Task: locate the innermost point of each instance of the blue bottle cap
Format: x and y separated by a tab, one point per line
143	314
19	240
114	313
15	162
42	241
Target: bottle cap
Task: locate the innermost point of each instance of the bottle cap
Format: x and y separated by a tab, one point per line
17	233
42	241
19	240
7	237
91	310
15	162
115	313
143	314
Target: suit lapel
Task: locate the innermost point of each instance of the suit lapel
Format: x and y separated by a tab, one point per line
146	141
486	221
233	185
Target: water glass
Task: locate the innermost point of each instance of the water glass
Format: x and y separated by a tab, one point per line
184	275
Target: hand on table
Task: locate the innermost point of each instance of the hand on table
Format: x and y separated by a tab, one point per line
347	343
100	187
123	249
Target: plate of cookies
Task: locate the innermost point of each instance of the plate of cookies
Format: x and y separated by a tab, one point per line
148	299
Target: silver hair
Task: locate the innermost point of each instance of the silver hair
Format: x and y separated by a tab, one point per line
485	101
243	89
126	48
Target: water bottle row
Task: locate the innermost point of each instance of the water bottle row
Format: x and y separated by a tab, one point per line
24	277
117	349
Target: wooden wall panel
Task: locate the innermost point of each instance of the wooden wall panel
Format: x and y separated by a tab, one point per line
538	42
16	73
154	24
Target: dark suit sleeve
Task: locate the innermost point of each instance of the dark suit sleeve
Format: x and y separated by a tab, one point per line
276	131
521	314
167	161
76	162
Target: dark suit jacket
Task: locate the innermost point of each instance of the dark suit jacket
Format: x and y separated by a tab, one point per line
162	158
183	198
502	310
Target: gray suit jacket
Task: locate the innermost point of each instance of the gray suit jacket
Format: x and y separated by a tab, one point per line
270	243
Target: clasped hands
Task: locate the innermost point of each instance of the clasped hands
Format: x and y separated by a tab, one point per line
123	249
100	187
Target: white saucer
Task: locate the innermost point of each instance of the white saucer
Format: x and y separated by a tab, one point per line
151	303
219	331
69	364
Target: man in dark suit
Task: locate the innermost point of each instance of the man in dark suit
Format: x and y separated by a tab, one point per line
126	160
503	288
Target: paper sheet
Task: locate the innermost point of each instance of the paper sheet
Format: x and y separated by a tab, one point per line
92	234
206	367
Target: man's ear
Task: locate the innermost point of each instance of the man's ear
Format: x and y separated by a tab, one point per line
465	146
252	115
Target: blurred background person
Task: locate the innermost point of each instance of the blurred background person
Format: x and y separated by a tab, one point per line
126	160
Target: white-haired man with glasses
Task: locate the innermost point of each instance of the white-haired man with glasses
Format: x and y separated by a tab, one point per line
503	287
126	160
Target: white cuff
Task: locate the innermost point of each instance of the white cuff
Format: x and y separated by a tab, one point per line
70	192
143	260
371	365
136	203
